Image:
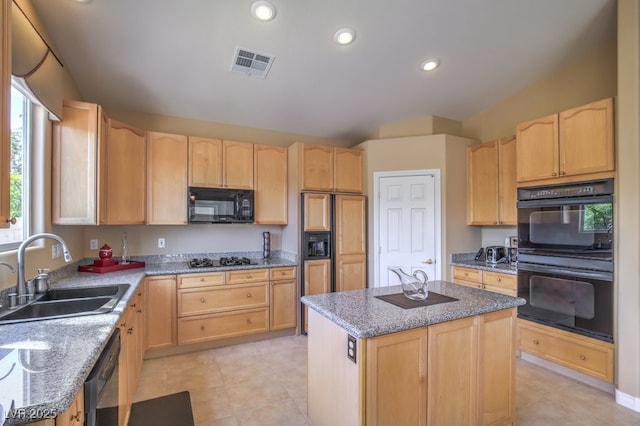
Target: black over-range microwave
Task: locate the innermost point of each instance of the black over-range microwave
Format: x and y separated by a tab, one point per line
220	205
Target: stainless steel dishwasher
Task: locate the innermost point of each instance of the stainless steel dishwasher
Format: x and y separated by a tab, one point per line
101	386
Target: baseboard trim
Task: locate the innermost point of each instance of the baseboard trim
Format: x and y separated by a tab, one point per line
626	400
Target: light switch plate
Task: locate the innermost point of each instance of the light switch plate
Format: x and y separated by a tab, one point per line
160	242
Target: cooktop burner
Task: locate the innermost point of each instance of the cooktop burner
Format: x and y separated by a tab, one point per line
223	261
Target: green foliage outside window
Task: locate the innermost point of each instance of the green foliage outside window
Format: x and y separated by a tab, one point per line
597	217
16	174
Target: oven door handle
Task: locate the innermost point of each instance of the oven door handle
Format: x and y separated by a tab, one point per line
602	199
579	273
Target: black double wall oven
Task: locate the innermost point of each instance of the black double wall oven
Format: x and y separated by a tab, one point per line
565	256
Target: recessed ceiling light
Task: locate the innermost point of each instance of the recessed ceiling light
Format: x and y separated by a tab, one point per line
429	65
344	36
263	10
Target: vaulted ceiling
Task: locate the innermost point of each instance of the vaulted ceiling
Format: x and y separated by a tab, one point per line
174	57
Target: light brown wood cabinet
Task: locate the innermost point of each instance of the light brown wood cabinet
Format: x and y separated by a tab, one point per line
487	280
584	354
270	171
317	280
166	179
77	142
238	307
205	162
575	144
491	190
330	169
350	244
123	175
160	311
456	372
131	353
214	163
283	298
5	112
317	212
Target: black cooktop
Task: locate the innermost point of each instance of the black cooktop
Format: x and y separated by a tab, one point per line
223	261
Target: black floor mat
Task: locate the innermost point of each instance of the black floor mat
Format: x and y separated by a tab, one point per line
169	410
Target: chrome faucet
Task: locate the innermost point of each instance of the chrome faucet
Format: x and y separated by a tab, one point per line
22	283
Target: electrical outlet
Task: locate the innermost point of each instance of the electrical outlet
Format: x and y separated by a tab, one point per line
352	348
160	242
93	244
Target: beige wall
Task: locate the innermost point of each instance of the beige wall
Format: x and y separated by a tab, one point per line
590	78
443	152
627	231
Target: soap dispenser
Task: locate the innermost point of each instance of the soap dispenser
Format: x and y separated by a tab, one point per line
41	281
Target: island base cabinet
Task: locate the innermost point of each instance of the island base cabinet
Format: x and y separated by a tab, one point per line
457	372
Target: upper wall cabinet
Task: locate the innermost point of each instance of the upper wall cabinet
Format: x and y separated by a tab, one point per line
270	171
167	161
123	179
572	145
77	142
491	192
328	169
214	163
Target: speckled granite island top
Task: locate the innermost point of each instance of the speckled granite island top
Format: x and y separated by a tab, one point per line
43	364
362	315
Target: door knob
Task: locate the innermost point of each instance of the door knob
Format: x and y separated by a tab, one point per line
429	261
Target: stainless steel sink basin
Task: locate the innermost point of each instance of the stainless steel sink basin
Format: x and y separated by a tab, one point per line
68	302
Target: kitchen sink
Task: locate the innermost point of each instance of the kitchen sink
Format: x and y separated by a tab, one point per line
68	302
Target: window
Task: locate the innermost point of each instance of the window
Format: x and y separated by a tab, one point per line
11	237
597	217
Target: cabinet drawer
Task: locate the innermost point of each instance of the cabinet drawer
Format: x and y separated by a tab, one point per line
247	276
200	280
502	290
282	273
225	298
217	326
467	274
496	279
589	356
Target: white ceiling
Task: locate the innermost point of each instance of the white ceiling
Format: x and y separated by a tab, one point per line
174	57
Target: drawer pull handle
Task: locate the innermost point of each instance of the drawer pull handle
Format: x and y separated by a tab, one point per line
130	330
466	274
248	321
201	280
499	280
249	295
582	357
202	328
139	293
202	300
139	311
249	276
536	342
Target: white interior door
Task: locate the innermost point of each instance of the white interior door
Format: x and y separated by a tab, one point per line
408	225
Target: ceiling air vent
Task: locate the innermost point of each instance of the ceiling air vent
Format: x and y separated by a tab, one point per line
251	63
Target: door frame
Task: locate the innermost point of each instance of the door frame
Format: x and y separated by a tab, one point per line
376	217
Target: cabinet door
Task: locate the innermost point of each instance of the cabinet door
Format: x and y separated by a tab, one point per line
497	367
586	138
396	379
482	176
167	179
507	189
537	148
317	212
453	373
124	368
237	165
317	280
76	144
123	180
205	162
348	170
160	312
282	304
351	244
270	184
5	113
316	163
75	415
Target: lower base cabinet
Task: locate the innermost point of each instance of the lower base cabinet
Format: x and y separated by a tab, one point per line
584	354
457	372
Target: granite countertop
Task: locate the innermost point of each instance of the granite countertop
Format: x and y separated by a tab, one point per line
362	315
43	364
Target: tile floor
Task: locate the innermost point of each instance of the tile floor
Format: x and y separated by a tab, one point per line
264	383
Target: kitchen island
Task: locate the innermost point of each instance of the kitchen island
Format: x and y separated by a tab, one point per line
372	362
